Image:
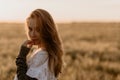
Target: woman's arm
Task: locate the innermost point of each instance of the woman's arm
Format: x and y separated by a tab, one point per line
21	64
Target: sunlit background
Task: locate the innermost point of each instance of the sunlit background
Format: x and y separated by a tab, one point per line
62	10
89	31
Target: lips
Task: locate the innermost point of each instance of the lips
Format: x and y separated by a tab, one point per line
34	39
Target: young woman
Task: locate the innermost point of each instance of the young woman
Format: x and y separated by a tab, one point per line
46	62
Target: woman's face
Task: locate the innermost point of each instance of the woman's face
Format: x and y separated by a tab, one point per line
33	32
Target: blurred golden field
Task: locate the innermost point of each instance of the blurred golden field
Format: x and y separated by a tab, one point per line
92	50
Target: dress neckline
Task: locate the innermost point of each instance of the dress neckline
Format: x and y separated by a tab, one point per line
40	50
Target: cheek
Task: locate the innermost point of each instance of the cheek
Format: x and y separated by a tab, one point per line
39	38
29	34
38	34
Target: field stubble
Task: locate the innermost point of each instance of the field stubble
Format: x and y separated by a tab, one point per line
92	50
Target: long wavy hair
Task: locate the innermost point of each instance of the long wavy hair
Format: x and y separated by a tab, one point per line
49	38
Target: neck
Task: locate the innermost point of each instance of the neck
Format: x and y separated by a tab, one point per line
41	46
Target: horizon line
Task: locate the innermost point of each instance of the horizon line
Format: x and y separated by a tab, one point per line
77	21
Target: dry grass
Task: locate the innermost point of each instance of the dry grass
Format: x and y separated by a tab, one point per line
92	50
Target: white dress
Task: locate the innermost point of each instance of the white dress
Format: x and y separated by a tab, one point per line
38	66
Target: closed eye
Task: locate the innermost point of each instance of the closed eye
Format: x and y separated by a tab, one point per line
30	28
38	30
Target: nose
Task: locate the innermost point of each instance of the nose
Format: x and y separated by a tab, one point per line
33	33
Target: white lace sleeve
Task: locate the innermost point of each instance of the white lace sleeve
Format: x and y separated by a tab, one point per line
38	67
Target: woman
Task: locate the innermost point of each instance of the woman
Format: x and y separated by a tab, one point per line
46	62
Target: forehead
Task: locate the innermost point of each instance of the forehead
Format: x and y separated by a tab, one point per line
31	22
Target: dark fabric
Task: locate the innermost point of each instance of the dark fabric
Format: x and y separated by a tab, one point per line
21	64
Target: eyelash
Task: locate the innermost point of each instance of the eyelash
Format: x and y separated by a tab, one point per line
30	29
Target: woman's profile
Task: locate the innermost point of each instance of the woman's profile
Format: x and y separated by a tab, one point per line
46	62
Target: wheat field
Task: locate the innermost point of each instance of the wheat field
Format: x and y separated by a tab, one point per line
91	50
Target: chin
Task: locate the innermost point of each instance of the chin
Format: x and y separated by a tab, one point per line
36	43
